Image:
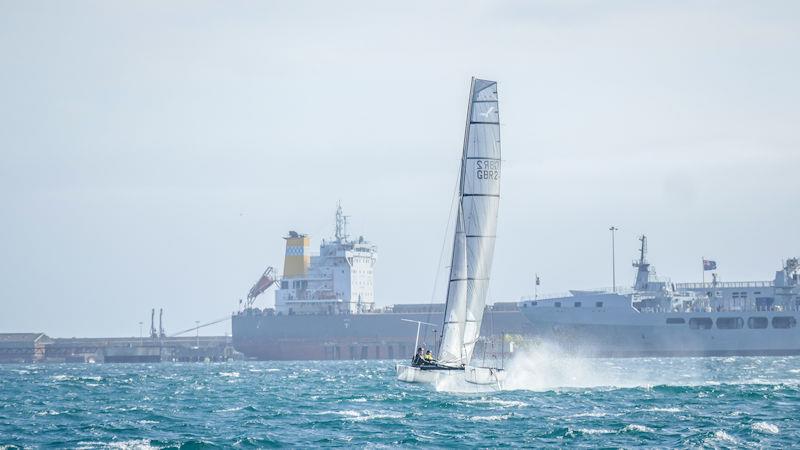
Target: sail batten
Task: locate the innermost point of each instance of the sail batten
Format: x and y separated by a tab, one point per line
476	223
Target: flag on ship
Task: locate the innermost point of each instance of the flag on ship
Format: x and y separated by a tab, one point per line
709	264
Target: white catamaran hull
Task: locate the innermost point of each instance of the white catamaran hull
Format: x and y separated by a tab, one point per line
473	375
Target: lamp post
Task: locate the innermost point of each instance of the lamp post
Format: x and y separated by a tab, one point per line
613	231
197	332
140	332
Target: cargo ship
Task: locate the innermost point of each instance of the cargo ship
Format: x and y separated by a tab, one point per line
325	309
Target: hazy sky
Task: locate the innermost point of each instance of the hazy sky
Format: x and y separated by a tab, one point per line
153	154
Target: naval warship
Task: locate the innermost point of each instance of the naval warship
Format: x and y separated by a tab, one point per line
325	309
659	318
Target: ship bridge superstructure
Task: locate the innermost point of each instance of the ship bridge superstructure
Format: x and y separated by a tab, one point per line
339	280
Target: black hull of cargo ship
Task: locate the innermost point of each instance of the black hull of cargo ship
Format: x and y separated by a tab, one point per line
264	336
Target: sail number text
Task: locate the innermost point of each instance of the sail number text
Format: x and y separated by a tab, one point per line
488	169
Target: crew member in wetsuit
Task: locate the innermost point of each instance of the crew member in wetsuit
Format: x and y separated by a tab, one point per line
419	358
429	358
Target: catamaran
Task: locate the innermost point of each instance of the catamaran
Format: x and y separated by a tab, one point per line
473	247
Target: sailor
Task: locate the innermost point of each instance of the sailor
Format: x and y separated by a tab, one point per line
419	358
428	357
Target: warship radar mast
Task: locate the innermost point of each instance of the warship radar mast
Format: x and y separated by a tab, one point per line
643	274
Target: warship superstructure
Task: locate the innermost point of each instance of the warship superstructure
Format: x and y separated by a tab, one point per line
659	318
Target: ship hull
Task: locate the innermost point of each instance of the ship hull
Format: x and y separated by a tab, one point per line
629	333
347	337
484	376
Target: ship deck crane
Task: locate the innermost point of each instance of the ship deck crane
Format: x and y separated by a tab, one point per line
268	278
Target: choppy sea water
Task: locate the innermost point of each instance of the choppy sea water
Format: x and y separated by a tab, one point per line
548	401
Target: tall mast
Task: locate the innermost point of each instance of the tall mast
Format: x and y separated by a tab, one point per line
455	306
341	223
643	274
473	241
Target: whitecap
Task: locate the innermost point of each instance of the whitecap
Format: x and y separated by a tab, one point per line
638	428
590	414
496	401
139	444
363	416
766	427
724	437
490	418
666	410
229	374
594	431
237	408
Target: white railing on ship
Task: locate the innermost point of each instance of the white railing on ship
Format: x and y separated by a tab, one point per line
724	284
602	290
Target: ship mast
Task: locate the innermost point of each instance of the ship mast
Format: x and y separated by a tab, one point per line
643	274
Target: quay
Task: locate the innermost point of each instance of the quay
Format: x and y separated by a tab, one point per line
40	348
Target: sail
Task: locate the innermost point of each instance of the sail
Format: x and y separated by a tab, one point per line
480	200
476	223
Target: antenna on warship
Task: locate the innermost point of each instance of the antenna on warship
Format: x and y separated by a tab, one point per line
643	274
613	231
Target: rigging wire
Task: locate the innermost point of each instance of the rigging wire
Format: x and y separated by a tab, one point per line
442	252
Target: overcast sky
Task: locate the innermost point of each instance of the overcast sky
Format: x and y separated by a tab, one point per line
153	154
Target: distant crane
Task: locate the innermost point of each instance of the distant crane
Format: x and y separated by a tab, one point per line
161	332
153	333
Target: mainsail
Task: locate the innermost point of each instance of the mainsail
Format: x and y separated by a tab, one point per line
476	224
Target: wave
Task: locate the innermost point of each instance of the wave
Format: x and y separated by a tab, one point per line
765	427
363	416
590	414
720	436
63	377
634	427
490	418
495	401
666	410
138	444
592	431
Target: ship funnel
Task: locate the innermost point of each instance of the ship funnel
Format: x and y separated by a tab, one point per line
298	257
